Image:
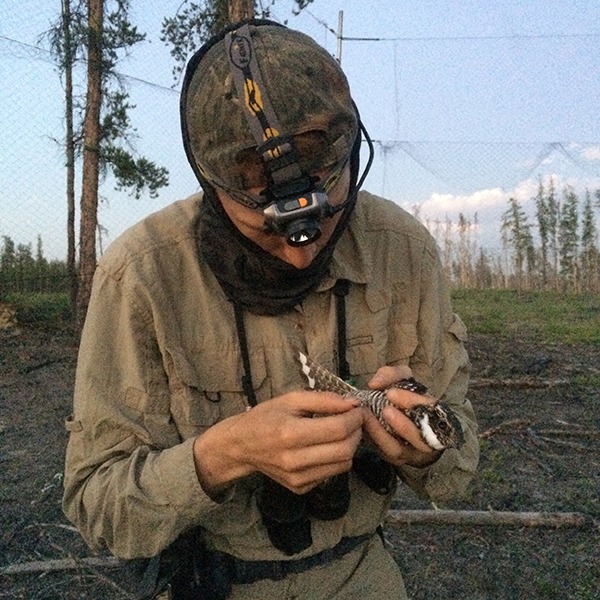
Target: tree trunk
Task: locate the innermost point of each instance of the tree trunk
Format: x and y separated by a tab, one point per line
240	9
69	150
91	159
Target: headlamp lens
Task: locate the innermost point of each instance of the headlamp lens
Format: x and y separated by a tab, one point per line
302	232
297	218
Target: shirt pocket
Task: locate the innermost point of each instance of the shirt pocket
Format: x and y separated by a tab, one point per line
367	332
382	331
206	386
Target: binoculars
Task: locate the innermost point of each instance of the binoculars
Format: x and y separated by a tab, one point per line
287	516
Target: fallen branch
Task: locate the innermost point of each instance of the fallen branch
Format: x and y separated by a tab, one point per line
566	443
40	365
477	517
573	432
542	434
525	382
63	564
505	426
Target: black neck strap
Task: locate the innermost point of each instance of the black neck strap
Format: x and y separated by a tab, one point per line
340	290
247	384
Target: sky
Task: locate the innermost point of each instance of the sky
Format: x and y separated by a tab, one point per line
468	102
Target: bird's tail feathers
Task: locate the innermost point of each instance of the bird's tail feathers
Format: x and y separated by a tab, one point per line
321	379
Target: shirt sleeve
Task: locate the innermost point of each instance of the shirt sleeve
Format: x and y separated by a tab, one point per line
130	481
441	362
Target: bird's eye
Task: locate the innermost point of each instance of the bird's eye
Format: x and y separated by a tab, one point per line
443	425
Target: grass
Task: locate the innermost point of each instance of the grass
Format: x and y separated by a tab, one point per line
41	309
543	316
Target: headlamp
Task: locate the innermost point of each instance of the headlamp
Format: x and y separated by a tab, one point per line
298	207
298	217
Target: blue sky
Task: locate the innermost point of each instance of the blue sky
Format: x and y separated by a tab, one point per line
464	96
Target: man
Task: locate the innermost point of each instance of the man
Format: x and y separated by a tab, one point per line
191	419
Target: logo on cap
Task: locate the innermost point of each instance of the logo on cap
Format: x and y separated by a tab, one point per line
240	52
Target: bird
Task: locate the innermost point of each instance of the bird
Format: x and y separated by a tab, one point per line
439	426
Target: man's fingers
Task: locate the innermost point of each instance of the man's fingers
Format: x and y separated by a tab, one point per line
297	458
377	434
302	470
387	376
412	451
405	399
322	403
322	429
400	423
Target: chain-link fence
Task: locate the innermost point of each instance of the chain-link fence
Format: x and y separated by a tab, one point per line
427	159
487	140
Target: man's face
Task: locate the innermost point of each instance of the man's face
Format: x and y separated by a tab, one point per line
250	223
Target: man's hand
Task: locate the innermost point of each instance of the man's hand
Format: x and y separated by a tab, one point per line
414	452
281	439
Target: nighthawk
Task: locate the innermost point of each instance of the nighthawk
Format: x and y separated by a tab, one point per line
439	426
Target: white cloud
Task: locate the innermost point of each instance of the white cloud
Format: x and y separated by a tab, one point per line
488	205
591	153
527	189
455	204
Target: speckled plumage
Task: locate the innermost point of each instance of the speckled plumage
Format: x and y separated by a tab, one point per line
437	422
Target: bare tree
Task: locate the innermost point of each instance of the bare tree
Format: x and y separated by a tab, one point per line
467	249
569	239
240	10
102	35
91	160
447	247
65	43
196	22
553	209
589	256
517	238
484	274
542	215
70	148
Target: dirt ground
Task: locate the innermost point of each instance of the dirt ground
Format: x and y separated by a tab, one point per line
537	407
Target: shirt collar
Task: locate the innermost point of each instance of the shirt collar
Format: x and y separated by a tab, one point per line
351	260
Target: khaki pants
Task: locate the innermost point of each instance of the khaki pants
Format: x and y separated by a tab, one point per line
367	573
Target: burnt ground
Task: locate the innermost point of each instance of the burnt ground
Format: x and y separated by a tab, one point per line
537	406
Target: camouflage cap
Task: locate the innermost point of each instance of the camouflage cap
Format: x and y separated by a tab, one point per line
307	90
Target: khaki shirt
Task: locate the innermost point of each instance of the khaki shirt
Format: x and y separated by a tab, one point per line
160	362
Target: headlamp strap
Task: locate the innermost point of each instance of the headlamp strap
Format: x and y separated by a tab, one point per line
277	151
